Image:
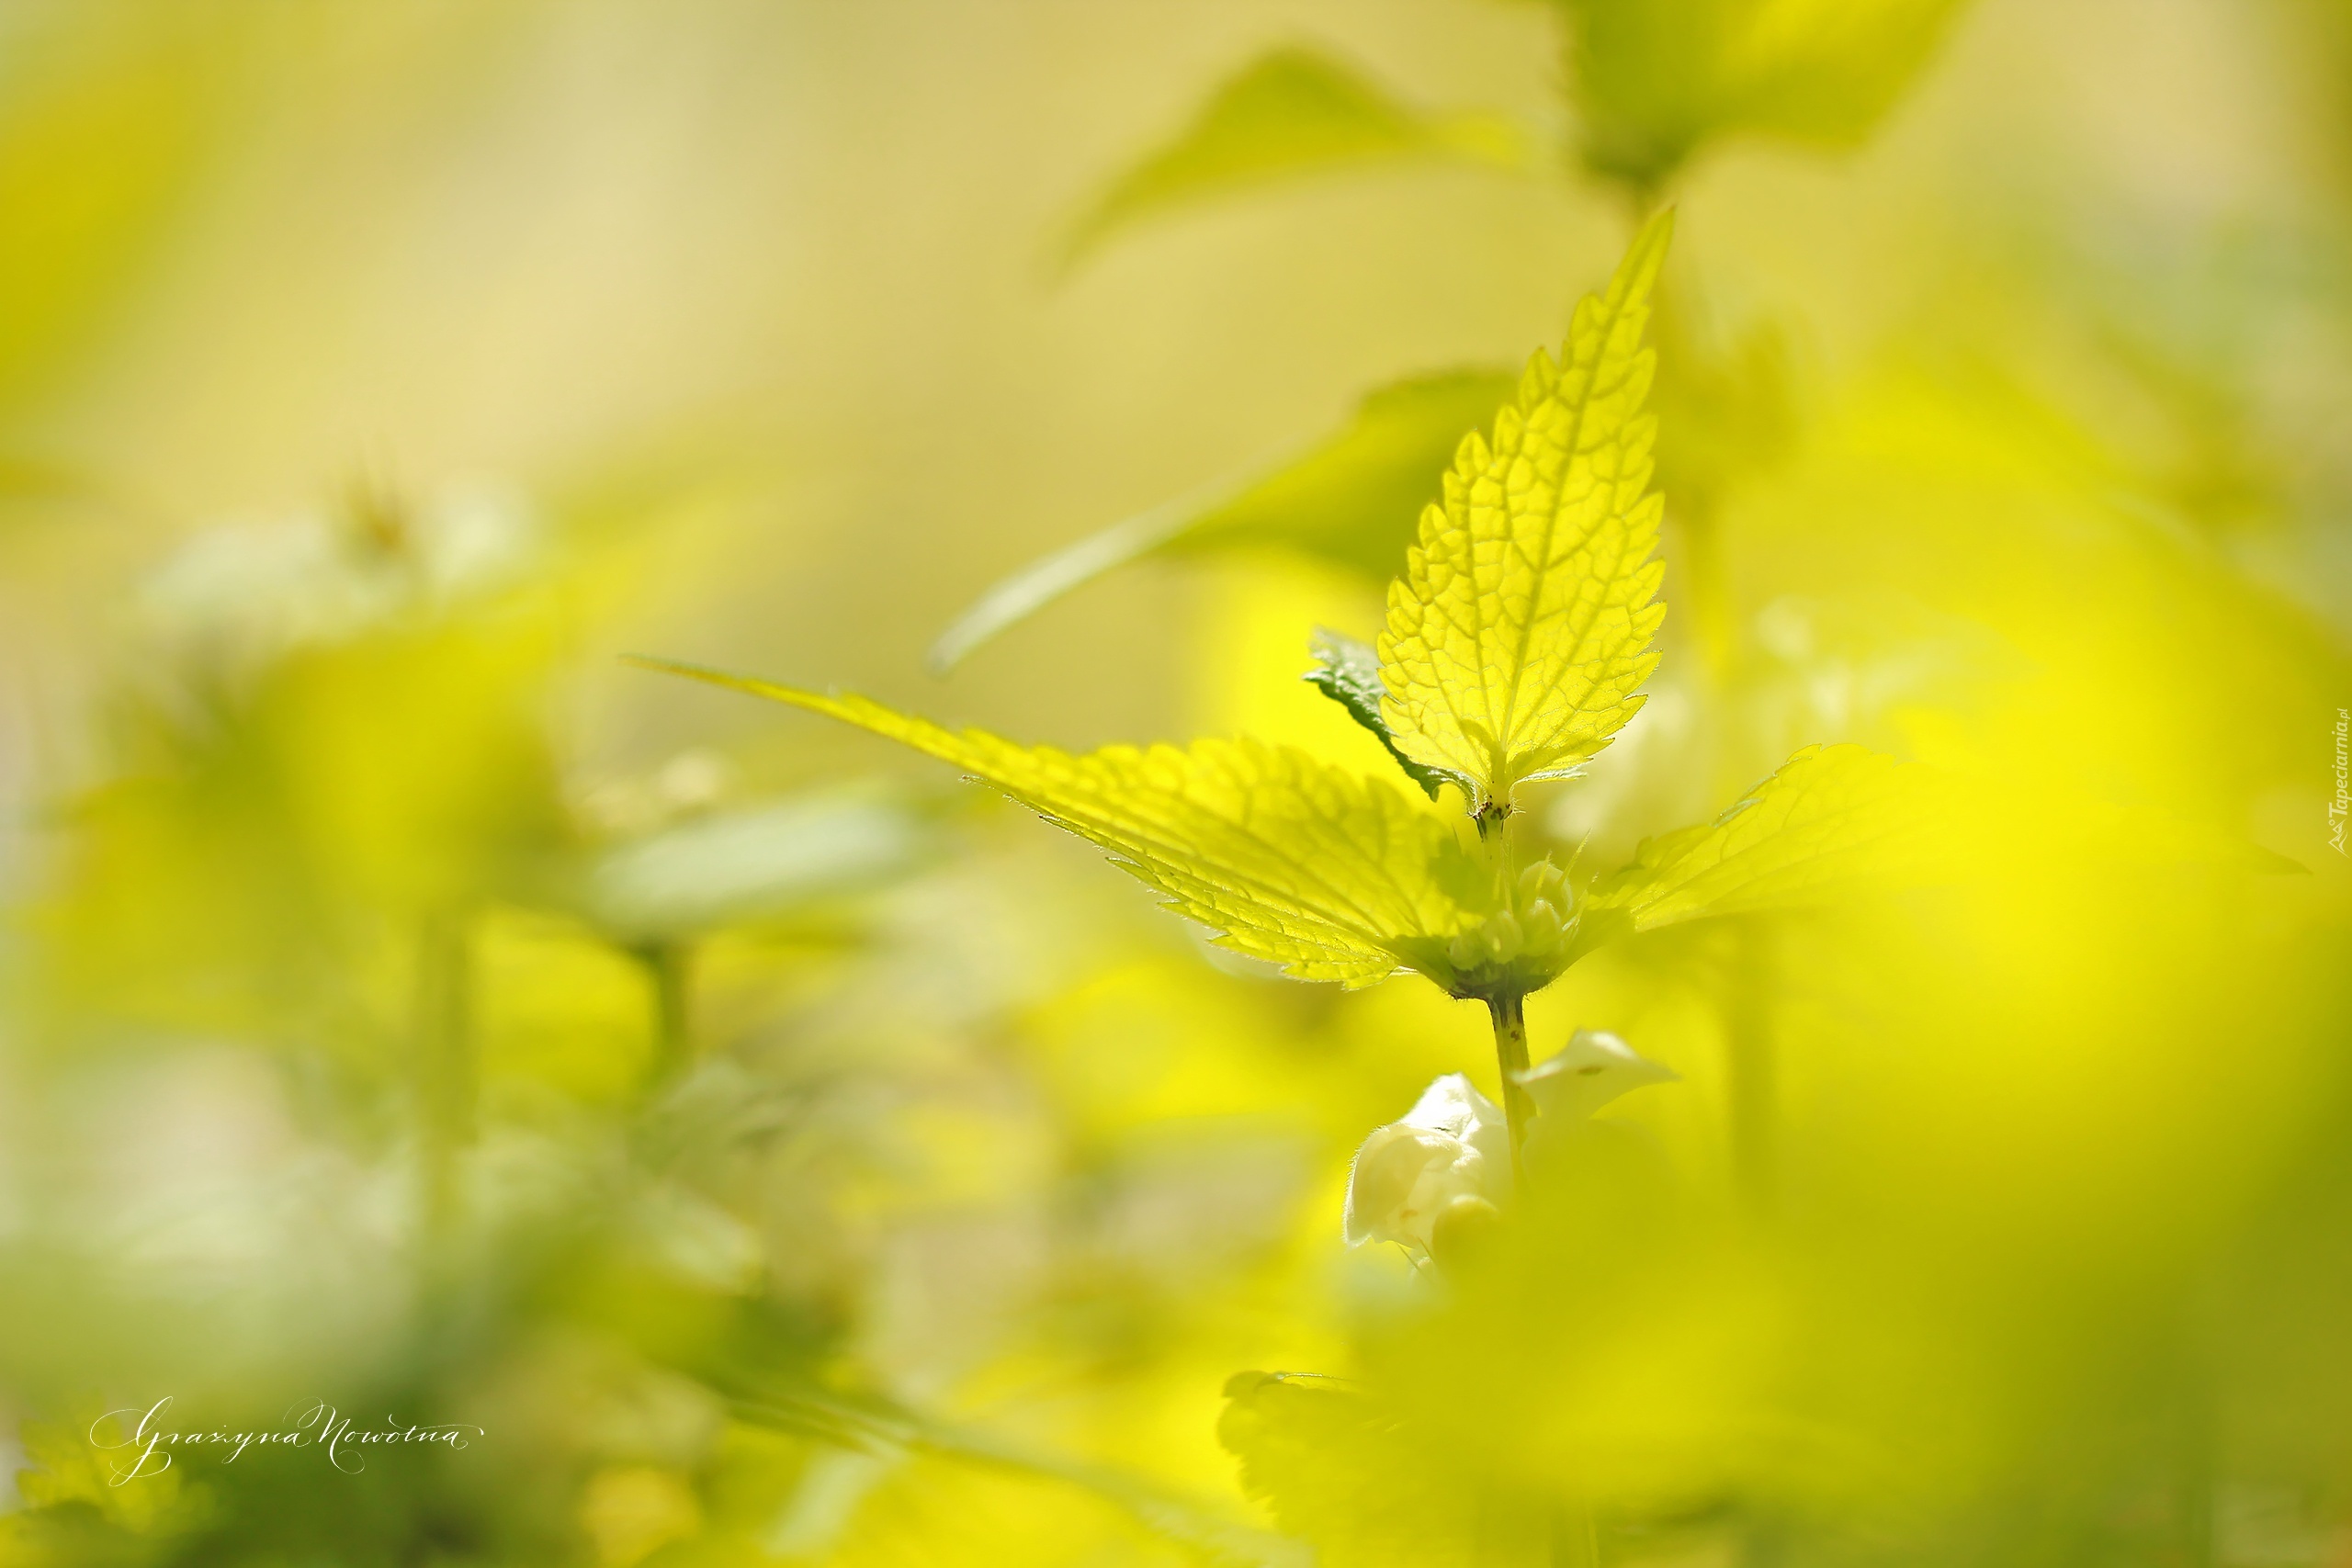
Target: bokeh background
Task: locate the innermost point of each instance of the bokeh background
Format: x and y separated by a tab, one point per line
781	1152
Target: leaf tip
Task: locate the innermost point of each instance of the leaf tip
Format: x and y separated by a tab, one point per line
1646	256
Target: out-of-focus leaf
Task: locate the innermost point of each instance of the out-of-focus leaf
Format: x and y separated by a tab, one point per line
1331	874
82	1485
1726	406
103	123
1354	499
1837	819
1341	1470
1655	80
1830	818
1350	500
743	865
32	479
1520	632
1348	672
873	1426
1293	112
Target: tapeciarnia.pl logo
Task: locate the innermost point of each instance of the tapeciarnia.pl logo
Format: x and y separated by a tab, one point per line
2336	807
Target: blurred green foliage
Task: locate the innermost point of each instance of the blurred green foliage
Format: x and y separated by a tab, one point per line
1352	499
782	1157
1289	113
1657	81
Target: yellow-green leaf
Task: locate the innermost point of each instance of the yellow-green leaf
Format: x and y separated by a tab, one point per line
1834	816
1293	112
1654	81
1330	875
1520	629
1339	1467
1841	820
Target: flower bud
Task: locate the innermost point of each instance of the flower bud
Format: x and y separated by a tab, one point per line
1540	880
1461	1232
1504	939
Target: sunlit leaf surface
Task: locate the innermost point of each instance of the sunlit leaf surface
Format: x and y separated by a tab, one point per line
1521	628
1832	816
1330	875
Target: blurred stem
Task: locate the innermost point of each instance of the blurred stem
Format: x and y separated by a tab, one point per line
1702	601
1575	1541
1510	1015
444	1060
2197	1544
1755	1089
1516	1531
670	965
875	1428
1704	590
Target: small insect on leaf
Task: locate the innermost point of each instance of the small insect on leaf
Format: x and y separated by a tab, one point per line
1520	632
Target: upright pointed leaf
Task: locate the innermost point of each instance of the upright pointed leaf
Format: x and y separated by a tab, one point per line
1332	875
1293	112
1521	626
1350	499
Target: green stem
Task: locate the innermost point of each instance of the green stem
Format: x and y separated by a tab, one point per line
1576	1540
1711	616
1755	1089
669	964
1510	1015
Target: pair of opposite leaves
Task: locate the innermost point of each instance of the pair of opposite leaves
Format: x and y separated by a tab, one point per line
1516	643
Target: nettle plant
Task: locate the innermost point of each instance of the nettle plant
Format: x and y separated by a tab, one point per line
1517	641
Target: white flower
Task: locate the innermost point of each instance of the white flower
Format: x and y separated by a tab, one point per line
1593	1069
1451	1155
1450	1148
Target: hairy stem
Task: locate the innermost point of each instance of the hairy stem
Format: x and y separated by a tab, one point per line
1510	1015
